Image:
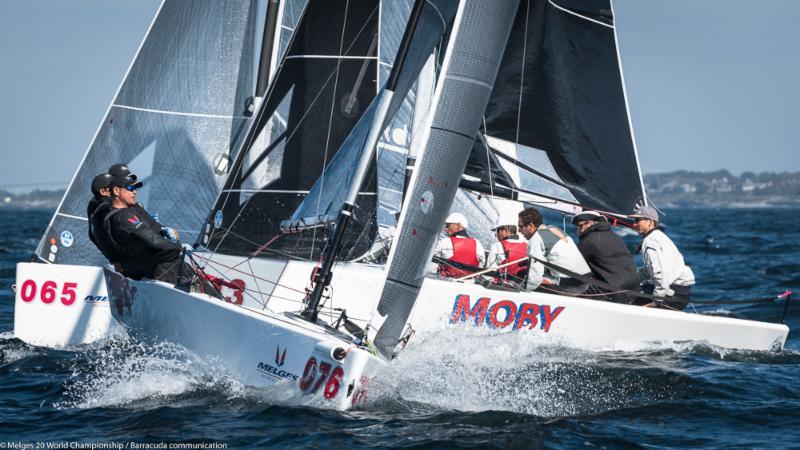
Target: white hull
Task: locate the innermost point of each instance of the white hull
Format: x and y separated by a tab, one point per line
257	348
581	323
61	305
577	322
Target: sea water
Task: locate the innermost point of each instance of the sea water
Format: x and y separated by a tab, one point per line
457	388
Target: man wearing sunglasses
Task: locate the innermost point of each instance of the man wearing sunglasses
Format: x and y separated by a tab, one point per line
665	273
144	252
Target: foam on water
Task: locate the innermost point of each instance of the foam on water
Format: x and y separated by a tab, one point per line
467	370
123	372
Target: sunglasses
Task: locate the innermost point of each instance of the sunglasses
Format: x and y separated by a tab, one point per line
130	188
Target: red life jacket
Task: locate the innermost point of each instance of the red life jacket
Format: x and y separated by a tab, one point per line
464	252
513	252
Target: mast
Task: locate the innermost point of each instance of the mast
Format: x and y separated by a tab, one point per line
323	276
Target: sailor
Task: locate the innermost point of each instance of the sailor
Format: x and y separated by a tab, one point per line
466	253
547	243
121	170
509	248
98	207
605	252
665	274
144	252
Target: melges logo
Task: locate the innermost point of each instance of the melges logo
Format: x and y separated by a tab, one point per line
275	371
525	315
95	298
280	358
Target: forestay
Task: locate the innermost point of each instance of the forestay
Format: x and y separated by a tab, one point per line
175	121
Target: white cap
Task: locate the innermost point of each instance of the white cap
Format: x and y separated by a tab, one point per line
457	218
506	220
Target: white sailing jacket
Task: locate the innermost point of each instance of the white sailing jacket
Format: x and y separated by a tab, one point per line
663	264
562	252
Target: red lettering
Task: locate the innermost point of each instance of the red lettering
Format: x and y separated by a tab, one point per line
237	292
511	312
548	317
325	368
462	310
48	292
28	291
527	316
332	386
309	373
68	293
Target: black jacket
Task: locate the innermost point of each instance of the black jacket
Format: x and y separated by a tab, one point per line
97	210
608	256
138	242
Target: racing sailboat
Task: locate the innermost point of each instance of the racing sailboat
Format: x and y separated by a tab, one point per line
325	361
326	237
177	120
556	133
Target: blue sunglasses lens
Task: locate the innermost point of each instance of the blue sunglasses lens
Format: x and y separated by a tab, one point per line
130	188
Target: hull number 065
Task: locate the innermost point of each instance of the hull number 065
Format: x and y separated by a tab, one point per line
48	292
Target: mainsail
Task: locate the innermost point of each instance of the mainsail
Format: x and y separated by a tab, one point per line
175	120
557	122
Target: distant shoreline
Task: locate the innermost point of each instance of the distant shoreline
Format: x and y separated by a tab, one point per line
678	189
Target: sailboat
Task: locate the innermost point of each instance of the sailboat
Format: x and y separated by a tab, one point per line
329	237
556	133
323	361
177	120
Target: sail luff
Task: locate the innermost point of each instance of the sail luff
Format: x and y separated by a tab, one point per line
43	240
473	57
628	106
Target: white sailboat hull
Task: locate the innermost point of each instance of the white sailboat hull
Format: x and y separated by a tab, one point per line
577	322
257	348
61	305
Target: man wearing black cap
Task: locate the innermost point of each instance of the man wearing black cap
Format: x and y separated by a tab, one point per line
123	170
605	252
144	252
98	207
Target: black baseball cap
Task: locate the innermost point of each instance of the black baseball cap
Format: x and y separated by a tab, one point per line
124	181
121	169
99	182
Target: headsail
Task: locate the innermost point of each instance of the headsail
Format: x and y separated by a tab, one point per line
560	96
479	33
322	205
174	121
326	82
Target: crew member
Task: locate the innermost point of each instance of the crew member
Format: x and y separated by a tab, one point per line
144	252
121	170
547	243
509	248
665	273
462	253
98	207
605	252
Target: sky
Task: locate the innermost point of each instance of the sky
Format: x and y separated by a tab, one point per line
712	84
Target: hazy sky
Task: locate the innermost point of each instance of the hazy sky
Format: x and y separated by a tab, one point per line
711	83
